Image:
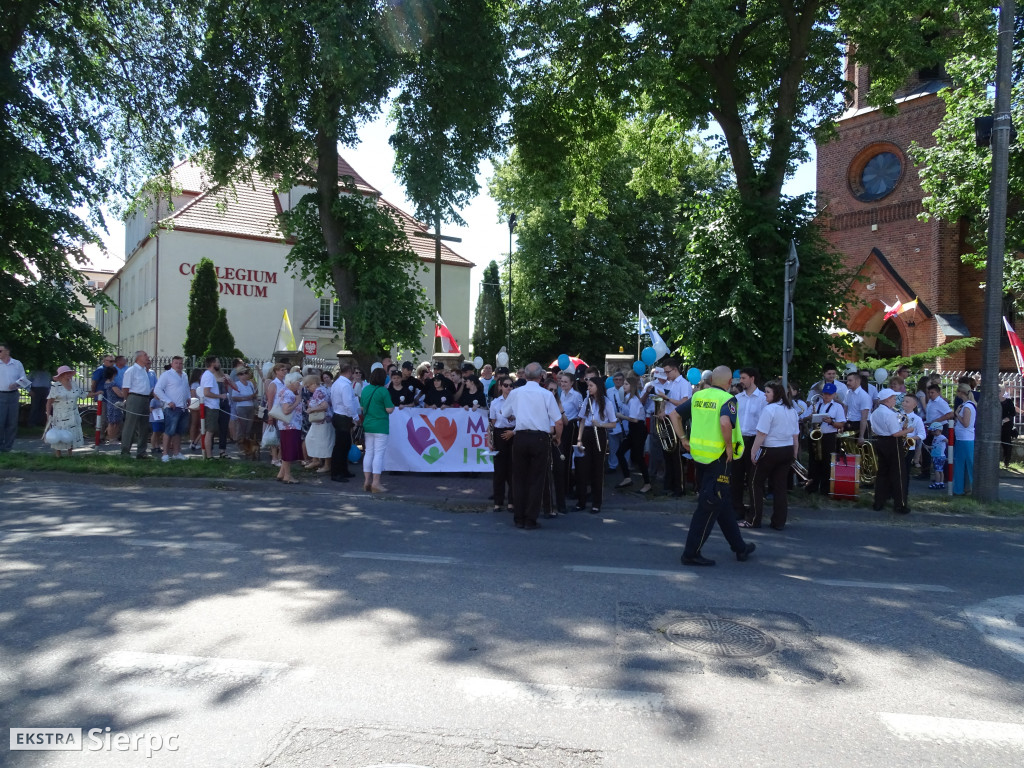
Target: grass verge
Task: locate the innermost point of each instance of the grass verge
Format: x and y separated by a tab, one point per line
107	464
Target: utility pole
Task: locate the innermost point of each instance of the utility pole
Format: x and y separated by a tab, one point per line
437	237
986	459
788	318
512	219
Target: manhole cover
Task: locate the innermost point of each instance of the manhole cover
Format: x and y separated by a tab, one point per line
719	637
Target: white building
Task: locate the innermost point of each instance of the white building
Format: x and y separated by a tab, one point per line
237	229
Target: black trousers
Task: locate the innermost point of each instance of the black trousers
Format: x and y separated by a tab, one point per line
773	465
531	457
713	502
821	469
567	479
889	483
741	477
590	467
502	477
342	444
559	462
633	444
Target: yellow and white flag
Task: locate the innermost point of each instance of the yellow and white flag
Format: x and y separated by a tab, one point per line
285	337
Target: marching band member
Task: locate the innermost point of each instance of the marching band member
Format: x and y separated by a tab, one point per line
833	419
679	391
633	414
775	448
858	406
502	430
571	401
751	401
597	418
657	386
829	376
909	407
888	431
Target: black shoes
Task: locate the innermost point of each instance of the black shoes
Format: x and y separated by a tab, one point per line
531	526
697	560
339	478
746	552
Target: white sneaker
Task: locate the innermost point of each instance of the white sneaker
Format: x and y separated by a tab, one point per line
179	457
165	458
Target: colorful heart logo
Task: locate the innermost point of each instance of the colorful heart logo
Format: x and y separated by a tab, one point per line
444	429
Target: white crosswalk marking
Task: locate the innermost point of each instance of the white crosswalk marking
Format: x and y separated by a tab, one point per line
630	571
952	730
562	696
191	667
1001	622
436	559
871	584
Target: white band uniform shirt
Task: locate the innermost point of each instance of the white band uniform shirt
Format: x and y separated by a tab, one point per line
680	389
208	382
590	413
960	432
750	407
136	380
572	401
533	407
779	424
885	422
634	409
343	399
172	387
857	401
834	411
496	416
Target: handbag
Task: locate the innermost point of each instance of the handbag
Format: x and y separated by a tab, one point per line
270	438
317	417
277	412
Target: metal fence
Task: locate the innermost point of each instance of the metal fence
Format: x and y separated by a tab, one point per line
1012	382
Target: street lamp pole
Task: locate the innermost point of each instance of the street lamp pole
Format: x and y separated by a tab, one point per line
512	219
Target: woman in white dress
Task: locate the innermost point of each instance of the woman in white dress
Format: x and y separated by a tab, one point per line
62	411
320	438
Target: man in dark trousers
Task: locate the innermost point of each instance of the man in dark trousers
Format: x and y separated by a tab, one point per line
715	441
346	411
537	416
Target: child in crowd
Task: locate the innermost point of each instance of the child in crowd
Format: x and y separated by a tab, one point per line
939	444
156	424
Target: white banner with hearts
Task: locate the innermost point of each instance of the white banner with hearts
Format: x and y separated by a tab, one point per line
436	440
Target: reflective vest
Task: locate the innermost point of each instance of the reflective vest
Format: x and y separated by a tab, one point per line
706	443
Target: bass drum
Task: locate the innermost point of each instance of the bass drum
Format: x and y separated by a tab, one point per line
845	483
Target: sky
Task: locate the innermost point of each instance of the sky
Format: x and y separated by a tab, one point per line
484	238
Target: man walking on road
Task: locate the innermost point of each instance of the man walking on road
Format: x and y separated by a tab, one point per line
535	411
715	441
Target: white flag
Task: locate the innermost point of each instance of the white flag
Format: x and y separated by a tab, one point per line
656	341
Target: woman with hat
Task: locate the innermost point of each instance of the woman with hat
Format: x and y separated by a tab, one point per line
65	424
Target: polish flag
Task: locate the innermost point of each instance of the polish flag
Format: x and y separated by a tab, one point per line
448	342
893	310
908	306
1015	343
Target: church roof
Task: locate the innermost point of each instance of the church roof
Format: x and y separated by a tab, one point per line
250	209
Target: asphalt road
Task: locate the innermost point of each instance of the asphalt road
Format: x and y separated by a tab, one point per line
260	627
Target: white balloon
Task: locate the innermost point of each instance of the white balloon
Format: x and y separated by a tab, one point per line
881	375
478	362
501	358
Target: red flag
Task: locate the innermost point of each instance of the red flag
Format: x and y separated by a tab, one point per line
893	310
448	342
1018	347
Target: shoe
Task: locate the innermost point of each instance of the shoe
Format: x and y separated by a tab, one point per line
902	511
144	457
696	560
497	508
520	525
580	507
562	511
746	552
877	508
595	510
677	494
776	527
276	462
745	524
166	458
646	488
625	483
531	526
550	515
290	482
339	479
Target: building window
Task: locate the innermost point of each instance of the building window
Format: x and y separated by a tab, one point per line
875	172
330	313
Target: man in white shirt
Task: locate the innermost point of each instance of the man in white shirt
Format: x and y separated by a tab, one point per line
858	406
615	433
677	393
888	431
658	385
138	390
346	412
750	401
173	392
830	375
534	410
212	400
12	376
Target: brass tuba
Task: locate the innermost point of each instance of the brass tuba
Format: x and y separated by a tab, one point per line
868	457
663	427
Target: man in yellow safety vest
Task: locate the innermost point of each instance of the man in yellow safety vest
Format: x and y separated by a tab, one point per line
715	440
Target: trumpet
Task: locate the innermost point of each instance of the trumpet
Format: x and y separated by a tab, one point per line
663	427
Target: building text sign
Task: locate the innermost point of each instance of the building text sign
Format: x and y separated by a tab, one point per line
429	440
237	281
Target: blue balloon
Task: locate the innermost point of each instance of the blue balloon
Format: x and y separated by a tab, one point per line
354	455
649	356
639	368
693	376
563	362
736	373
609	383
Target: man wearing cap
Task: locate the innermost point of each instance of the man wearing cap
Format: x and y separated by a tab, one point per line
888	431
346	411
714	442
534	410
829	417
138	392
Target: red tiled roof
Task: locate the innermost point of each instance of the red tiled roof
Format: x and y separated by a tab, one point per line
251	211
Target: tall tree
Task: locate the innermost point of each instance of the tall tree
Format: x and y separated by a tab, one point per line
203	308
490	328
221	341
278	86
956	173
85	108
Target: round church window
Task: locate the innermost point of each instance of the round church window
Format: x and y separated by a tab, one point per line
875	172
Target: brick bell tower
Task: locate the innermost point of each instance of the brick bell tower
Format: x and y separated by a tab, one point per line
869	197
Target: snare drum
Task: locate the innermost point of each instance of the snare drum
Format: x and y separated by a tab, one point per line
845	476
